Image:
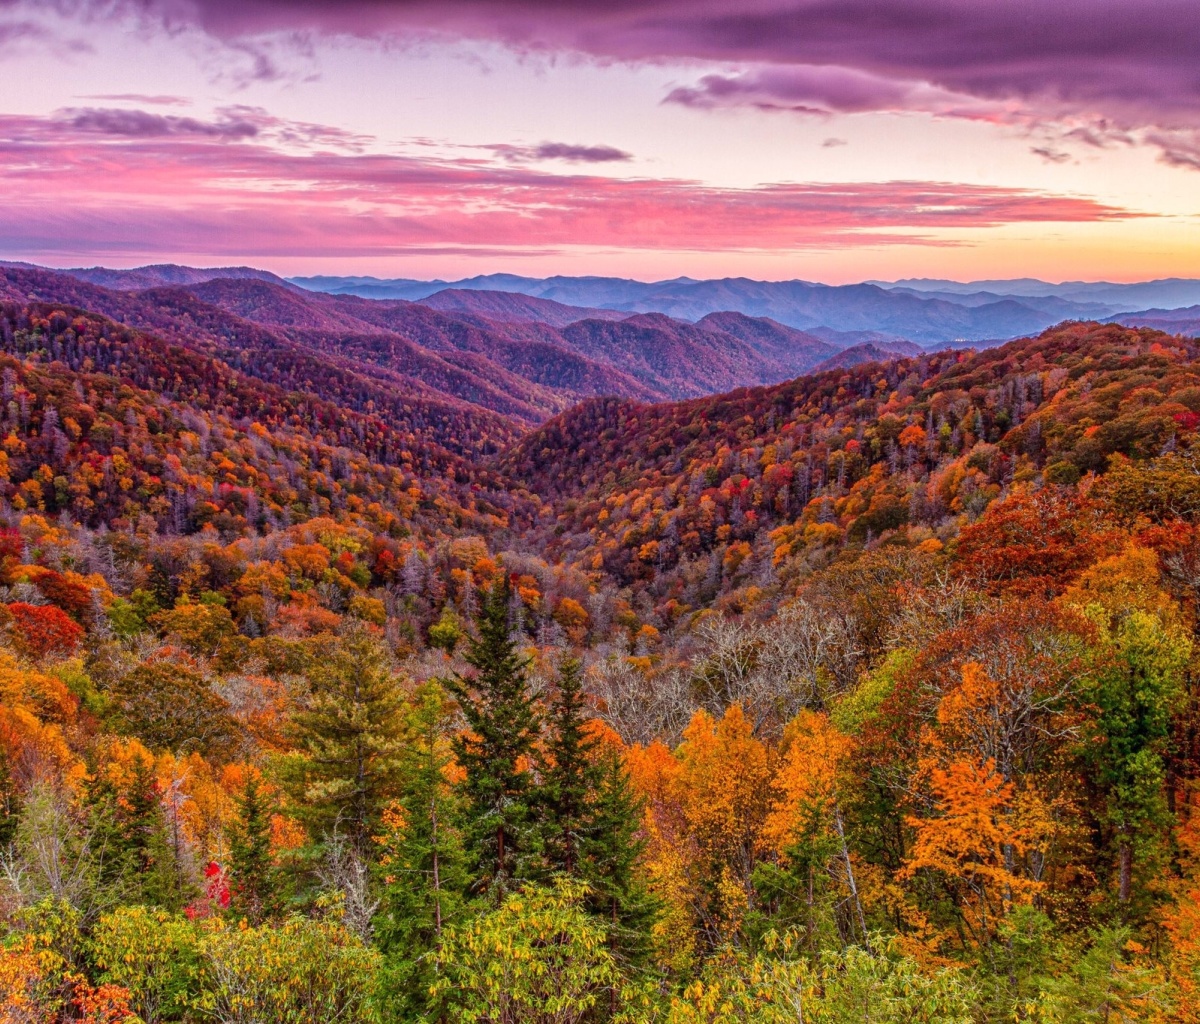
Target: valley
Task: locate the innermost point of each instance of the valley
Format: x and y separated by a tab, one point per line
806	613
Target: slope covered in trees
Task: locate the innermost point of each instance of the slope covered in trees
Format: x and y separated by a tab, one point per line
513	306
524	369
853	453
871	695
108	424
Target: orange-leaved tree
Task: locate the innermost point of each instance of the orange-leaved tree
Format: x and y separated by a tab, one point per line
724	789
806	828
981	837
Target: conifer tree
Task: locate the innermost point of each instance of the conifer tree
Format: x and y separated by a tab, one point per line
591	820
503	724
569	775
610	849
423	862
349	734
144	850
1134	691
254	887
106	830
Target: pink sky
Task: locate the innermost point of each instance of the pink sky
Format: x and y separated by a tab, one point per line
826	140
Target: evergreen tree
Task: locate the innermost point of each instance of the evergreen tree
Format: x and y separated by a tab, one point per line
254	889
1135	689
141	858
503	724
423	863
802	891
105	828
610	848
349	736
569	774
591	821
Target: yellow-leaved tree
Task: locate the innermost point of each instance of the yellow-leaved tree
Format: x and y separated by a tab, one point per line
724	790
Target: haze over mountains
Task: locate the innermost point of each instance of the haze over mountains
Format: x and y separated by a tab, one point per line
929	312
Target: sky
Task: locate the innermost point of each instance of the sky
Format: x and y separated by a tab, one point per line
829	140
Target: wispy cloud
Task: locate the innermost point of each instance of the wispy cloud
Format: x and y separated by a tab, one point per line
115	121
232	123
827	90
14	33
145	191
1050	155
137	97
1179	148
567	152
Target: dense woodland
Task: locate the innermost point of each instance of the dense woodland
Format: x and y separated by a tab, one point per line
871	696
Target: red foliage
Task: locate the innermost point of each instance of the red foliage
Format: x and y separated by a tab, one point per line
104	1004
12	546
43	630
1035	543
72	597
216	893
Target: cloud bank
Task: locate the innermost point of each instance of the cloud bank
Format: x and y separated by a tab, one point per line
1131	61
147	183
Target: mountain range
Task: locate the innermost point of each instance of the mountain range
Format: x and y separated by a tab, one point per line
928	312
455	374
931	313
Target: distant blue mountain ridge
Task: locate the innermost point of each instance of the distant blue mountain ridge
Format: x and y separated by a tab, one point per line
926	311
929	312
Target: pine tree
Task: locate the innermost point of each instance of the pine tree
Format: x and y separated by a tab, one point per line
349	734
253	874
107	838
569	774
610	849
145	852
591	821
503	725
423	863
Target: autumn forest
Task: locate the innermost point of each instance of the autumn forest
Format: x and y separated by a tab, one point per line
363	662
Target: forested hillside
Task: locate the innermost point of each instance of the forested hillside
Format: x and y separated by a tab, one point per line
330	690
375	351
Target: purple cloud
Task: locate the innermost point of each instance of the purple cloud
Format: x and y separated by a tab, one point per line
1132	61
116	121
826	90
561	151
1050	155
1069	72
13	32
1099	135
580	154
1178	148
233	124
